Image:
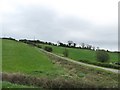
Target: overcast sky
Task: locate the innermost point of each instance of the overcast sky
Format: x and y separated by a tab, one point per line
92	22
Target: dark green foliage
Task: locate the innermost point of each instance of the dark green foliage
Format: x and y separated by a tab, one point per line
117	63
47	48
65	52
102	56
39	46
9	38
101	64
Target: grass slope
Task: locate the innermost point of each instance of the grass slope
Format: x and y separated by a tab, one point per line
22	58
81	54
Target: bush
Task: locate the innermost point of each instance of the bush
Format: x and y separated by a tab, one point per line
49	49
65	52
45	83
117	63
39	46
9	38
102	56
101	64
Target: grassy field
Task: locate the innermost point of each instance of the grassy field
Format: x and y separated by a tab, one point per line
30	64
81	54
22	58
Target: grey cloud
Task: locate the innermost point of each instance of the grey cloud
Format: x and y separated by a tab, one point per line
74	23
45	24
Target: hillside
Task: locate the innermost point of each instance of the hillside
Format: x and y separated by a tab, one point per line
26	65
22	58
83	55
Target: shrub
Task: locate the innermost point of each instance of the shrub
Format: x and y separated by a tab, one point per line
49	49
39	46
9	38
46	83
65	52
102	56
117	63
101	64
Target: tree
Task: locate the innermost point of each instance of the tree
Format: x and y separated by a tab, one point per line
93	48
83	45
47	48
58	42
102	56
70	43
88	46
97	48
74	44
65	52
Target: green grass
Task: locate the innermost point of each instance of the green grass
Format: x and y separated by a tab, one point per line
6	84
22	58
18	57
81	54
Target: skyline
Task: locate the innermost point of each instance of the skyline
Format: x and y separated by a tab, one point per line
93	22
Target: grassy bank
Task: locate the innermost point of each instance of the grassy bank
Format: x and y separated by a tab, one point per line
81	54
24	63
87	56
22	58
